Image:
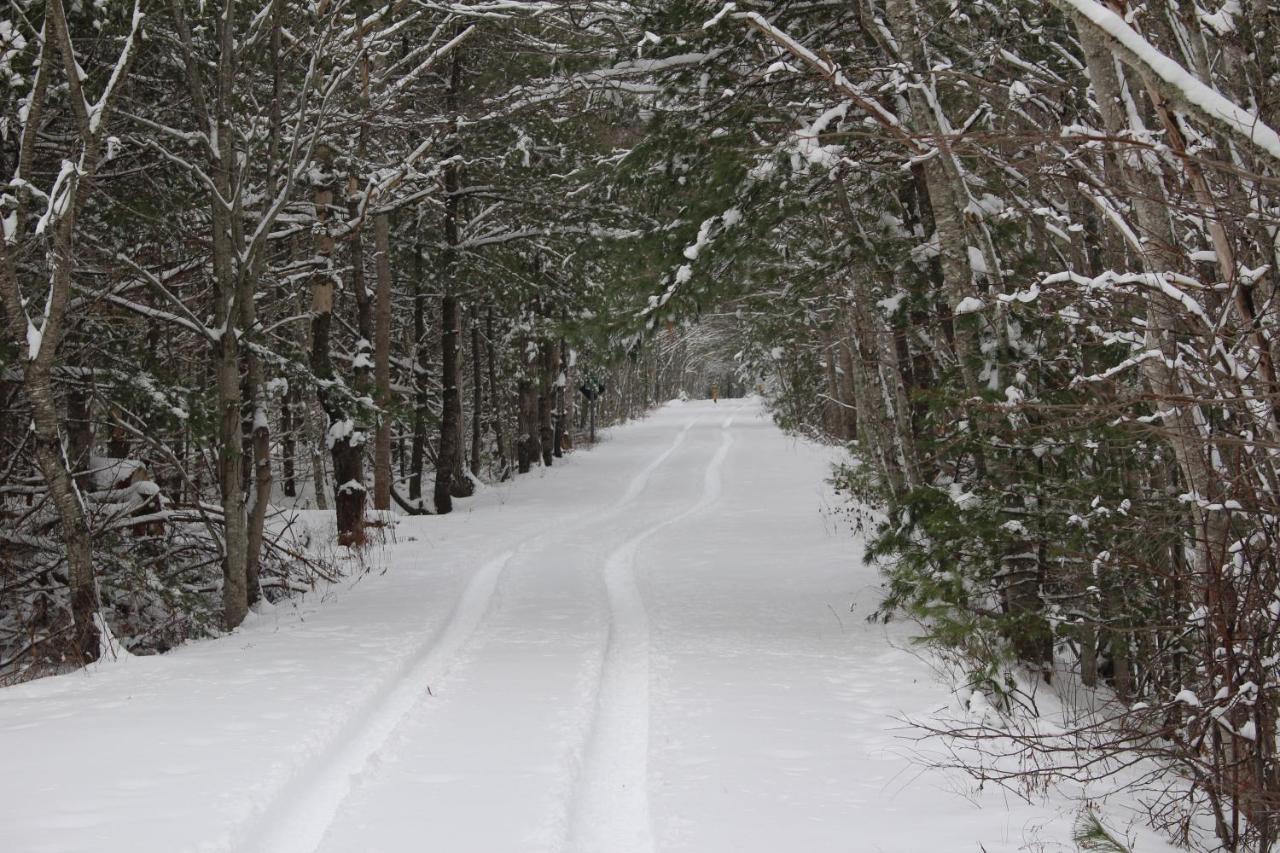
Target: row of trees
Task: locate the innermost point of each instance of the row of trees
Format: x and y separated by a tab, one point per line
1022	257
343	254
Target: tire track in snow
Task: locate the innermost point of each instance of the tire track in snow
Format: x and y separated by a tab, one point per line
609	809
639	481
297	818
315	798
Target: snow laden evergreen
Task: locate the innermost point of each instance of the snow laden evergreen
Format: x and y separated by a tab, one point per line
368	257
285	253
1022	258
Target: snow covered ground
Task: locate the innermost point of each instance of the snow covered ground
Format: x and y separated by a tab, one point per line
649	648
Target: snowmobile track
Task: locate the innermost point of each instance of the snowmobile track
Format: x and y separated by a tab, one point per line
297	818
609	807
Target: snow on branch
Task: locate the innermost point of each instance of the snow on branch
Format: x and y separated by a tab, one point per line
831	72
1168	284
1172	80
98	111
615	77
684	273
431	60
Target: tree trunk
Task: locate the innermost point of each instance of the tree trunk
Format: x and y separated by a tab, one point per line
848	393
79	437
261	448
560	382
477	394
225	348
1182	420
341	435
289	440
497	409
875	421
421	369
255	433
450	477
942	183
568	396
42	346
66	500
451	405
256	429
318	434
832	415
547	362
462	486
527	449
382	367
235	594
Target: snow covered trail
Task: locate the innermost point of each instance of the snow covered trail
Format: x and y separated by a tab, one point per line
305	815
648	648
611	803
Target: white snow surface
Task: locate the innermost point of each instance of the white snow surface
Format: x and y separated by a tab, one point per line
649	648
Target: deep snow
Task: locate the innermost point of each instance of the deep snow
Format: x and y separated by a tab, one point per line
660	645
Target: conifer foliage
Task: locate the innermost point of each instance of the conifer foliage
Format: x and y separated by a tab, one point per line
352	255
269	255
1021	257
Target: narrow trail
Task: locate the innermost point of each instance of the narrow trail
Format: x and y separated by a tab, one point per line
304	809
300	815
660	646
609	809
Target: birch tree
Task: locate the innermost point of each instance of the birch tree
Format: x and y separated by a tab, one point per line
45	221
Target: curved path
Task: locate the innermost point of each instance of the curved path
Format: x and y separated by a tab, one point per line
647	648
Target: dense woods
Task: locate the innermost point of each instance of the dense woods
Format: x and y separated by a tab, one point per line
258	256
365	257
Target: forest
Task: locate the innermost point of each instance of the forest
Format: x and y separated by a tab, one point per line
1019	259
